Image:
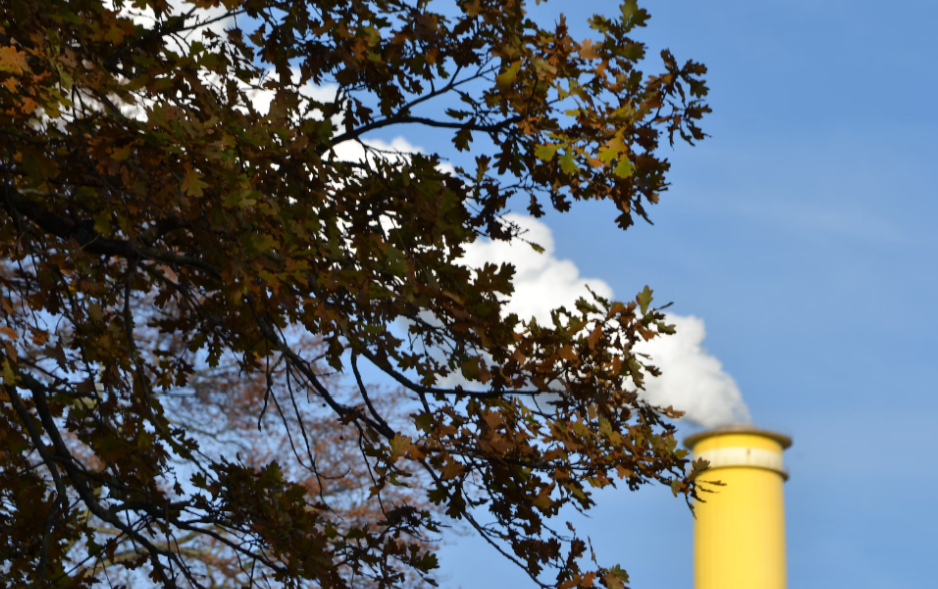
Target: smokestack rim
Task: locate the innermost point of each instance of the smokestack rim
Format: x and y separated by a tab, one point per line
737	428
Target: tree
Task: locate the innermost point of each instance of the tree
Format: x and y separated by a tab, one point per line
226	412
157	224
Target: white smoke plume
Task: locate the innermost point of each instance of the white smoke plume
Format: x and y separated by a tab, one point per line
692	379
542	281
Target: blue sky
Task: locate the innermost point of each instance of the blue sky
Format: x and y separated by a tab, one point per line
802	233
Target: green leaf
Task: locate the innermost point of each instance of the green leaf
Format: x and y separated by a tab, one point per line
607	154
616	577
120	153
8	375
567	163
65	78
457	114
462	139
628	8
624	168
507	77
424	422
471	369
102	222
546	152
676	487
38	166
240	198
644	299
584	306
665	328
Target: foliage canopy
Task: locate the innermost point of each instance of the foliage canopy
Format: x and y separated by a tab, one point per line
159	222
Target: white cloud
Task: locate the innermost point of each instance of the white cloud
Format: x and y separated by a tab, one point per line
692	379
261	98
146	18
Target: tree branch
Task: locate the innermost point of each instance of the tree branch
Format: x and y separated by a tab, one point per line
18	205
402	120
387	369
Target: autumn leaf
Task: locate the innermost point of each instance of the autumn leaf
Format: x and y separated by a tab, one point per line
121	153
451	470
546	152
28	106
542	500
624	168
192	184
644	299
567	163
587	50
607	154
400	446
507	77
462	139
8	374
616	578
13	60
240	198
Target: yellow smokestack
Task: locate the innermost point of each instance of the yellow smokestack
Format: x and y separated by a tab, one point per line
739	532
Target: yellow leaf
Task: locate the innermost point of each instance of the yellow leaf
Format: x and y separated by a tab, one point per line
567	163
624	168
9	377
546	152
543	68
607	154
120	153
507	78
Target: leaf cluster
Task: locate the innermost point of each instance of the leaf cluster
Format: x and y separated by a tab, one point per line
158	222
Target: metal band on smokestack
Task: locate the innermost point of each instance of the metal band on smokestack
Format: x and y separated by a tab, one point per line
739	531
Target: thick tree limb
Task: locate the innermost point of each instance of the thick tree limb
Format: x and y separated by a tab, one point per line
19	206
